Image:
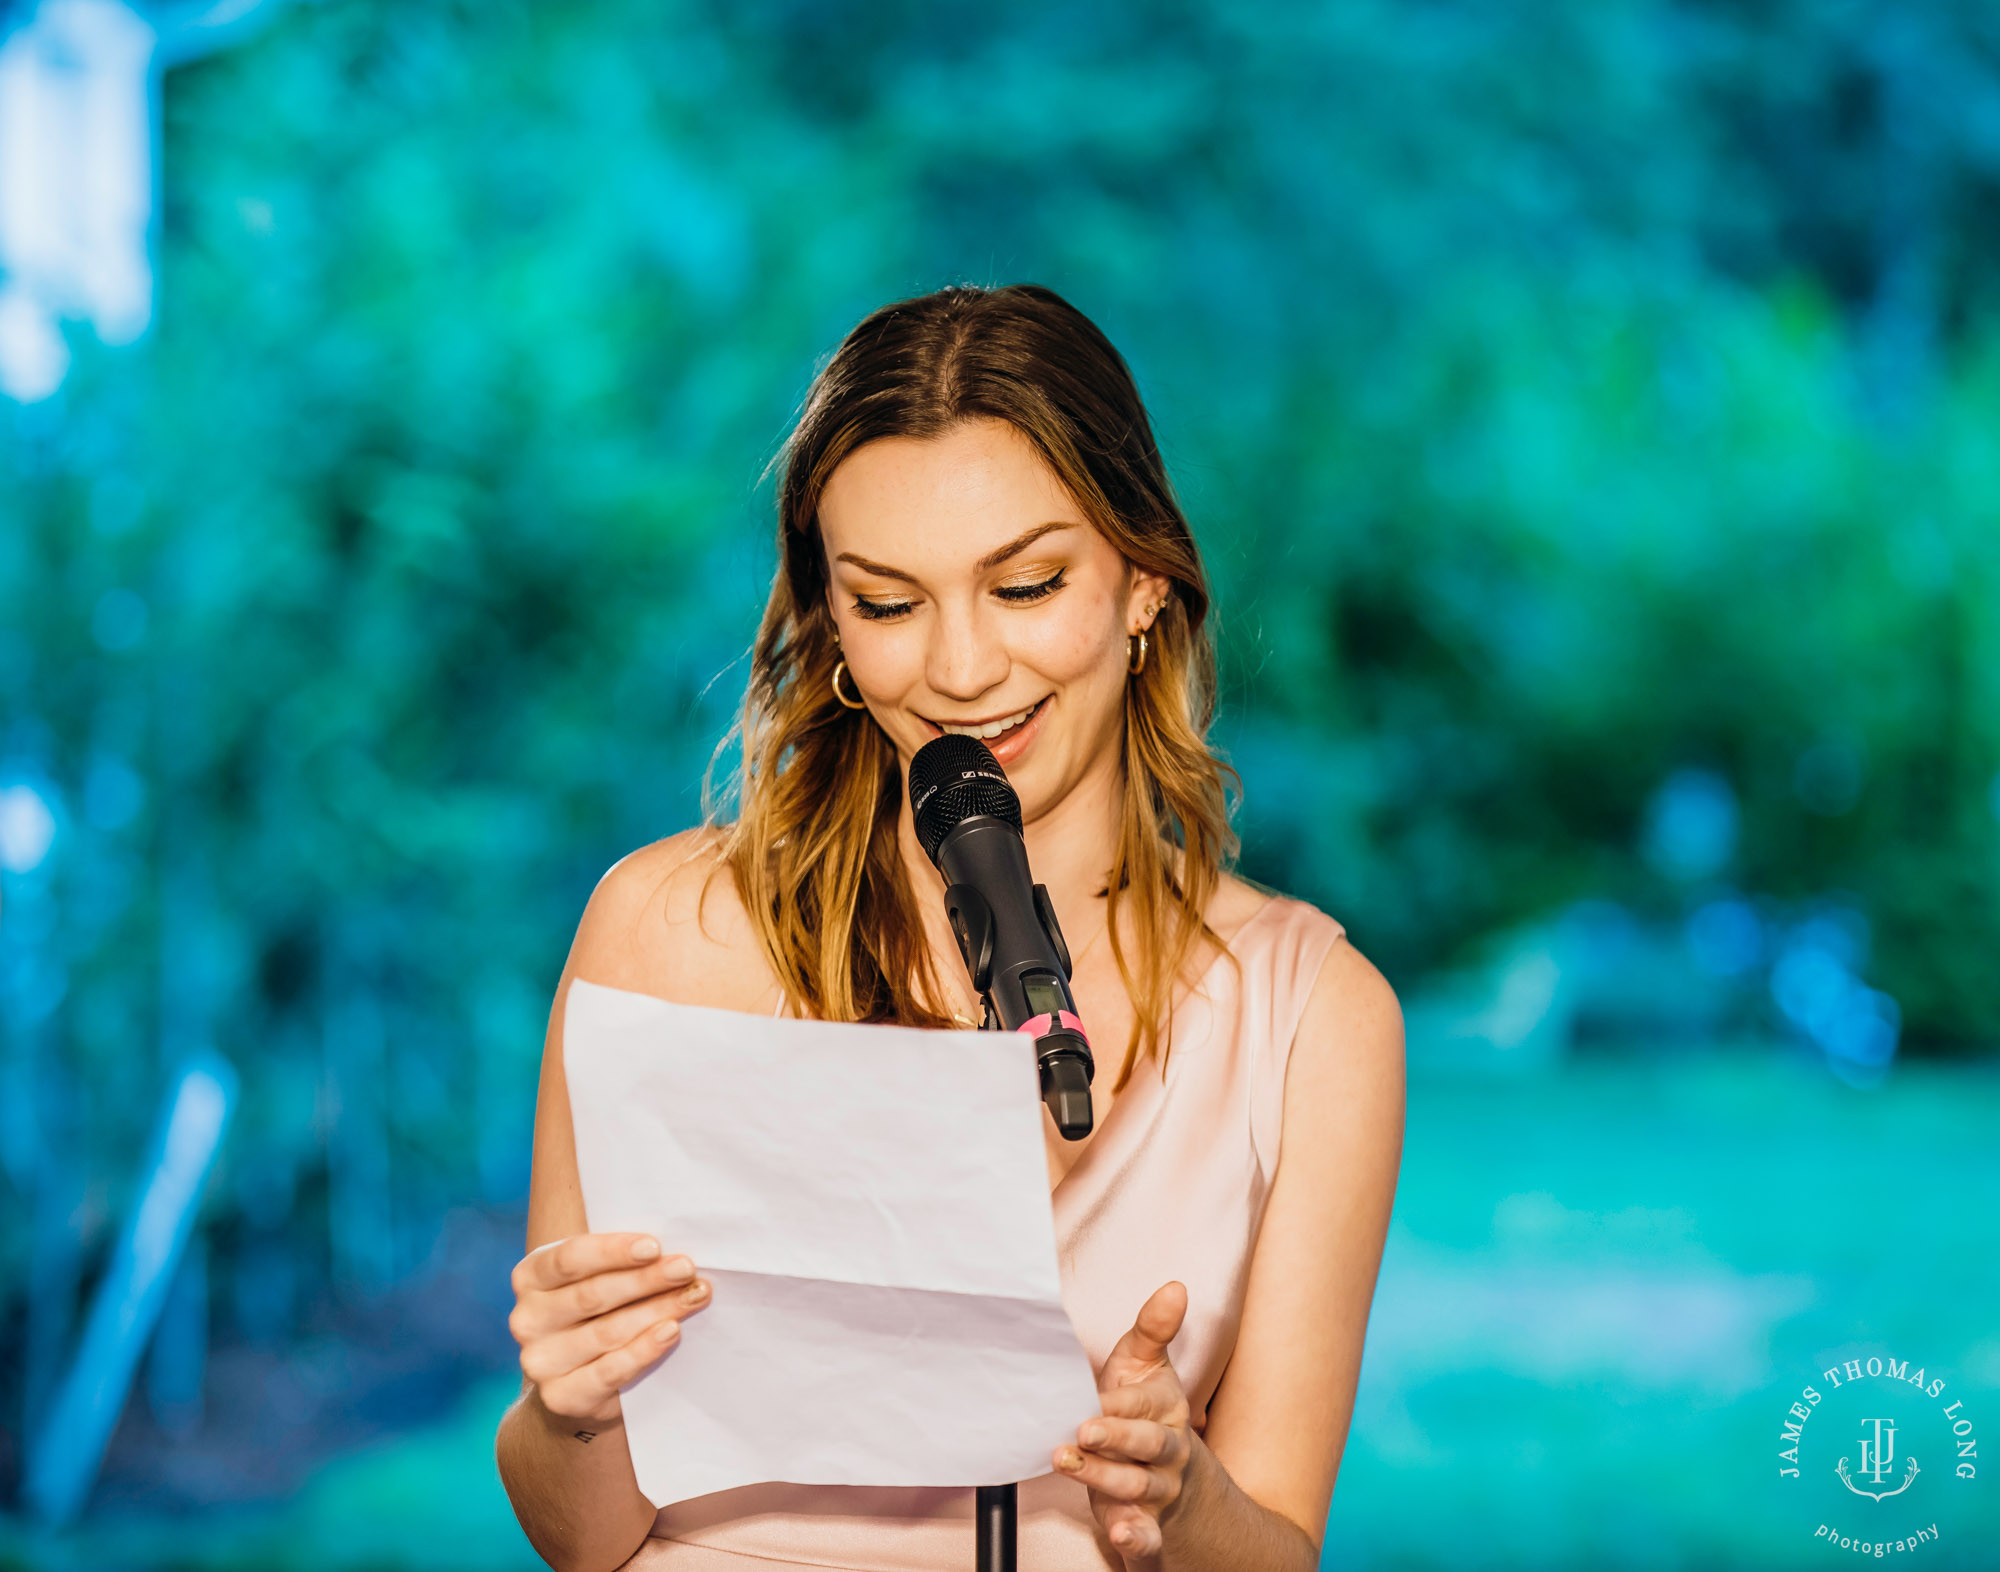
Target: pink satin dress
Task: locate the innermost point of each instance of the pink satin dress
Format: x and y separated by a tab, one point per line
1172	1186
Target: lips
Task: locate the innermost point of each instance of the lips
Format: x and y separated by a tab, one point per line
989	731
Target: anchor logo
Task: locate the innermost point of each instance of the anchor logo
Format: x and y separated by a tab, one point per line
1877	1452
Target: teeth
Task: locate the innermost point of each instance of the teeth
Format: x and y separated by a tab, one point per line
991	729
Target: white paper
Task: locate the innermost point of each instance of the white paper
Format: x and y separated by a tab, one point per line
872	1206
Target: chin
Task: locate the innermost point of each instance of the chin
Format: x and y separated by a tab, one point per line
1043	777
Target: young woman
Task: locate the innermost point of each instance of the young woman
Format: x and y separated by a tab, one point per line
977	534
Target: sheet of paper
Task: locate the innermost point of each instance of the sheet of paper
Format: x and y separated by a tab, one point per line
872	1205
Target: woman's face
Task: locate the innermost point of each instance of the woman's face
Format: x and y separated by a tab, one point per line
971	594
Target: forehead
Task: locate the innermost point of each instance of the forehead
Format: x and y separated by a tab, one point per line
976	487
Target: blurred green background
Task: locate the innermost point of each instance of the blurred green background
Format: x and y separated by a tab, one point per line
1587	412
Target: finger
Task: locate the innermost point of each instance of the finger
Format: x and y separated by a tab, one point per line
558	1353
1133	1530
606	1291
1156	1325
580	1256
585	1391
1120	1481
1160	1398
1131	1440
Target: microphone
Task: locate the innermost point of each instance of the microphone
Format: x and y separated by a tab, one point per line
969	821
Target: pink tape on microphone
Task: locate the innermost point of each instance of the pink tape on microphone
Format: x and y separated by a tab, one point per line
1047	1022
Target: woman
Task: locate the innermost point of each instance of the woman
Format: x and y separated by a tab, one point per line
977	534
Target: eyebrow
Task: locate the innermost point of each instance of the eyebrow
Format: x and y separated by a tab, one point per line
992	559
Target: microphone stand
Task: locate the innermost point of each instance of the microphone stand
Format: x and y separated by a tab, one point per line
996	1512
1066	1093
995	1508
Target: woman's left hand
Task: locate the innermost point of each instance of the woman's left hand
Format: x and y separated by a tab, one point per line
1135	1458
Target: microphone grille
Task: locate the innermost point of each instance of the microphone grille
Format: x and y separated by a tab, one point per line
953	778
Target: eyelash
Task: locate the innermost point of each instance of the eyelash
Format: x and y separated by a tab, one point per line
1014	594
1023	594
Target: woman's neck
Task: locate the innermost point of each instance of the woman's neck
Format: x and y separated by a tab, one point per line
1070	849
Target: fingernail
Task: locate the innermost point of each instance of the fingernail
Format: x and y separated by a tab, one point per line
680	1266
1093	1435
697	1294
666	1331
1069	1460
645	1249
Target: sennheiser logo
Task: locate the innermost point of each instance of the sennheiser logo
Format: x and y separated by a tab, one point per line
1878	1456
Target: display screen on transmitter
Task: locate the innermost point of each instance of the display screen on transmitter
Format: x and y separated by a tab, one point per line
1044	993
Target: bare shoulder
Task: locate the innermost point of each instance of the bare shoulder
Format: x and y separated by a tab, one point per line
1352	1014
1351	1001
667	920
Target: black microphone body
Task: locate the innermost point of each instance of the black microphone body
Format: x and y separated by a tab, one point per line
969	820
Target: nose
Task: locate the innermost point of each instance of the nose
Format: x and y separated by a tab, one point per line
965	659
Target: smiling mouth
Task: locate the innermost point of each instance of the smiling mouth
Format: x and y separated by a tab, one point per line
987	731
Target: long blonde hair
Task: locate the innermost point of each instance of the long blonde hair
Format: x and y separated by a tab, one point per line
817	792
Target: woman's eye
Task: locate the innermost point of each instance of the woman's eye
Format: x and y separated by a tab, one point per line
1019	593
879	610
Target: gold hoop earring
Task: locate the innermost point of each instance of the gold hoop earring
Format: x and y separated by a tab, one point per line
853	704
1135	663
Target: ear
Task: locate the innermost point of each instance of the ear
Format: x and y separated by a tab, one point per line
1149	590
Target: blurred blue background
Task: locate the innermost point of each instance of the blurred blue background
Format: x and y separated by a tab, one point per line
1588	413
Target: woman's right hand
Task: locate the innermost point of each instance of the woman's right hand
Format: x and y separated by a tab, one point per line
592	1312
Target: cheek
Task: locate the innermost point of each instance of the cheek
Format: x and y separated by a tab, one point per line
1073	655
1081	641
887	658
